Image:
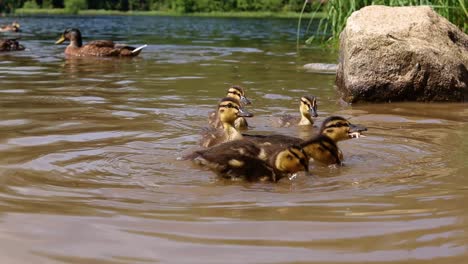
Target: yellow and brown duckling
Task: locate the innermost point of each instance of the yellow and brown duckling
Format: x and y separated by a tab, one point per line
13	27
337	129
10	45
241	159
229	109
307	110
322	148
236	92
99	48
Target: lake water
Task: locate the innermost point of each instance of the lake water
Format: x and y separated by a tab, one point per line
88	147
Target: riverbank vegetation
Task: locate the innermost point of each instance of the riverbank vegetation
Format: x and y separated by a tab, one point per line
336	12
98	12
162	6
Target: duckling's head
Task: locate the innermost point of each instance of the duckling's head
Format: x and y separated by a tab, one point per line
292	160
237	92
338	128
71	34
308	106
229	109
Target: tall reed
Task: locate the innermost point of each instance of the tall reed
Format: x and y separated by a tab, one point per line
338	11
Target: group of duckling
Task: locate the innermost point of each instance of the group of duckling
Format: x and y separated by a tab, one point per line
96	48
227	151
235	155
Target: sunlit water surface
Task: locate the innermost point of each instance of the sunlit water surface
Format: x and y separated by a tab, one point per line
88	147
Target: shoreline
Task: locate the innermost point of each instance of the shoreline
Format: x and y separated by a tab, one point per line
94	12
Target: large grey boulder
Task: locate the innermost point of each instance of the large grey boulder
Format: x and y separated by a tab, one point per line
402	54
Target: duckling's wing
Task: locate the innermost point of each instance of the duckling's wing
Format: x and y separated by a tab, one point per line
213	120
269	144
248	168
231	149
273	139
211	136
286	121
232	165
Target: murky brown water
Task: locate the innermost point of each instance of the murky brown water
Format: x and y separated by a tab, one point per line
88	170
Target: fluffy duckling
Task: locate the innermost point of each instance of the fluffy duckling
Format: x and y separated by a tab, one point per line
307	109
322	148
13	27
229	109
10	45
241	159
337	129
238	93
101	48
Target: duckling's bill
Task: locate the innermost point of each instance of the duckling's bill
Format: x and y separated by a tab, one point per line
245	100
313	111
244	113
355	131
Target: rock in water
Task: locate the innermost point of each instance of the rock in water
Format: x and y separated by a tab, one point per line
402	54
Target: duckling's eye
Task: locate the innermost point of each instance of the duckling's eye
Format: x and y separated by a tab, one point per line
235	93
289	157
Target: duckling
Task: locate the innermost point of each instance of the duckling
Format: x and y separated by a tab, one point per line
337	129
10	45
241	159
102	48
307	109
322	148
238	93
229	109
13	27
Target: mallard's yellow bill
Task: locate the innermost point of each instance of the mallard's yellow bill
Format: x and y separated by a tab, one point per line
62	39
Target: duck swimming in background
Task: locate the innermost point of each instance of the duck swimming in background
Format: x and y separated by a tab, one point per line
240	159
229	109
10	45
307	109
236	92
100	48
13	27
322	148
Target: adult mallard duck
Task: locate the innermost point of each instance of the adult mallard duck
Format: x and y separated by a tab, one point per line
229	109
10	45
307	110
13	27
101	48
236	92
322	148
241	159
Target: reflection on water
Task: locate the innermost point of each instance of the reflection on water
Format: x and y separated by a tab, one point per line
88	147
